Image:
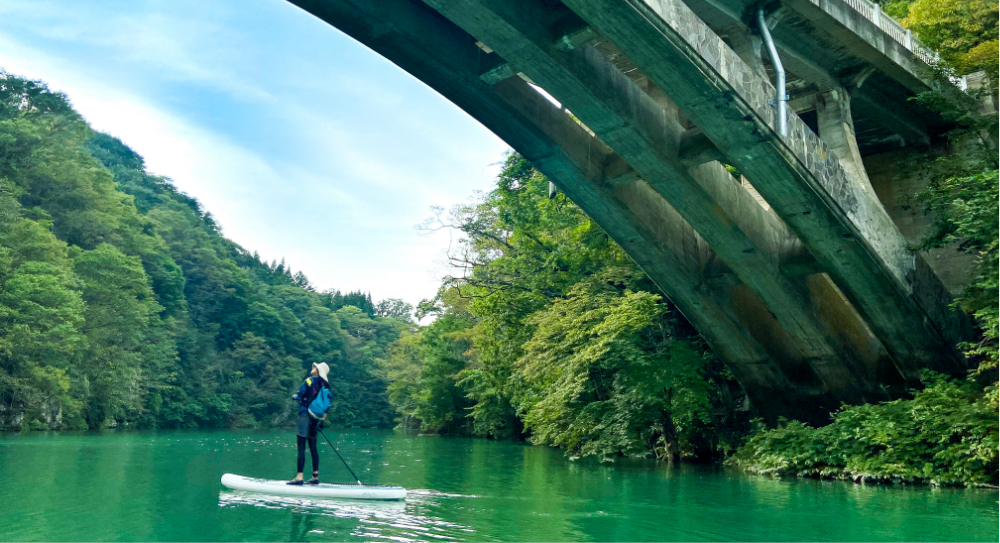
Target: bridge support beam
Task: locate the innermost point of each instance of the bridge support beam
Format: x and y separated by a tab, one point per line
672	254
439	53
648	137
849	233
836	128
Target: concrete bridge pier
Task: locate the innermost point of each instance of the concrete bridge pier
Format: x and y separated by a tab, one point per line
836	129
850	235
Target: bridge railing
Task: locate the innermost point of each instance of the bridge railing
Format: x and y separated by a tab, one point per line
873	12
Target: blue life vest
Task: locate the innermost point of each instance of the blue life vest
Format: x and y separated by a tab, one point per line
321	404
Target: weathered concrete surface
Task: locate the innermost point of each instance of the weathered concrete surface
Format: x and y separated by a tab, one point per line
838	221
647	137
836	129
897	186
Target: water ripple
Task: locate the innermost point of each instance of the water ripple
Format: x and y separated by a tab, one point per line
392	521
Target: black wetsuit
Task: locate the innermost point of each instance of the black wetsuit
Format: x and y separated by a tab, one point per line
307	427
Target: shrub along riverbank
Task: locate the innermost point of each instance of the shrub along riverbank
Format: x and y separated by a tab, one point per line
946	435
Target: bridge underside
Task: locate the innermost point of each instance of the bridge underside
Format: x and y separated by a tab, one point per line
790	269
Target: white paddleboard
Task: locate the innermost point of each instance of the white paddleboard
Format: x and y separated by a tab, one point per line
322	490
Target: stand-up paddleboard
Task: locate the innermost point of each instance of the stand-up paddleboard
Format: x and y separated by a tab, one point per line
322	490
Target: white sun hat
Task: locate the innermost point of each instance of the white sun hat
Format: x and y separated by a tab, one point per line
323	370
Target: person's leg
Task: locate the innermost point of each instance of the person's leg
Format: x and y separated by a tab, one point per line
301	430
314	451
302	457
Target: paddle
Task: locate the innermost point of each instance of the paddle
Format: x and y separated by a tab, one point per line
340	457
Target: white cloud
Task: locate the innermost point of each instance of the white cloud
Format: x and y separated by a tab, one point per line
188	49
328	165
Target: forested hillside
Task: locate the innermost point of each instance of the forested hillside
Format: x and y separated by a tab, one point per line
122	304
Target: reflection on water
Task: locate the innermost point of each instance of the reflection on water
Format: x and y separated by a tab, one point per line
164	486
389	520
359	509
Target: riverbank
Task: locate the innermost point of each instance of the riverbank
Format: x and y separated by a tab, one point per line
946	435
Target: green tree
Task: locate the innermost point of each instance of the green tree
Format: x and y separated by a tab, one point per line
964	32
608	378
41	316
394	308
120	310
256	379
402	369
442	404
549	329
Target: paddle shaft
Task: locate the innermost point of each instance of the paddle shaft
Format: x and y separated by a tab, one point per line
340	457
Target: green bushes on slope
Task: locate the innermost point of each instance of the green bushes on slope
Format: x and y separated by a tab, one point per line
947	434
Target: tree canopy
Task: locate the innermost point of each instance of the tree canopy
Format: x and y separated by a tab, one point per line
551	332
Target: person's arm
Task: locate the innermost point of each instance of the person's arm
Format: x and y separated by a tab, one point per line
302	391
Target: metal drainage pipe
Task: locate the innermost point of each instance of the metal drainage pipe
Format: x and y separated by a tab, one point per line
779	72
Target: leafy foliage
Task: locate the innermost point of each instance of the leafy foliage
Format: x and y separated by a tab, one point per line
965	211
947	434
553	333
964	32
607	378
121	303
394	308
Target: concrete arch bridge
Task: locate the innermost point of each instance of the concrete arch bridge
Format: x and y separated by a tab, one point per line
797	270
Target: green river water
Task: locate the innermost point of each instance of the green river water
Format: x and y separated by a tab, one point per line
164	486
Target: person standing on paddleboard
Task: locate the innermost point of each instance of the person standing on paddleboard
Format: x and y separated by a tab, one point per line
314	386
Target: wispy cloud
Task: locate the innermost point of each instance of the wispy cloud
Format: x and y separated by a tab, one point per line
192	46
327	159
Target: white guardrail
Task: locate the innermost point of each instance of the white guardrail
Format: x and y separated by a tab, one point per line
873	12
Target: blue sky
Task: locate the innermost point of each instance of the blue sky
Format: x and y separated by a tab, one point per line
301	142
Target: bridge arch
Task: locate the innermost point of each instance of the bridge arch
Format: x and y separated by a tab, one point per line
792	270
